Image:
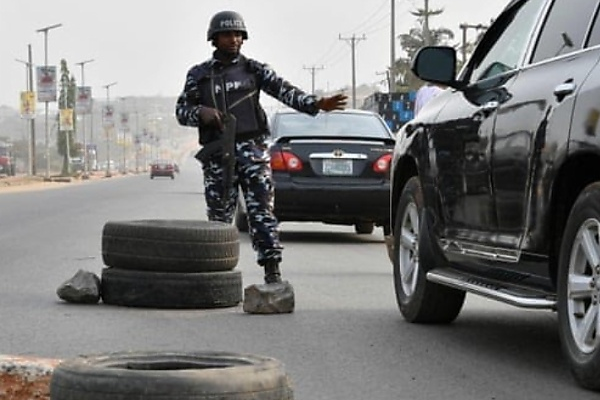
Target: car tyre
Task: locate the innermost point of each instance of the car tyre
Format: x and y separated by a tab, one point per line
364	228
170	375
175	290
419	300
170	245
579	289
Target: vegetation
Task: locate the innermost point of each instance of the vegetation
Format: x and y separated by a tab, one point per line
68	92
417	37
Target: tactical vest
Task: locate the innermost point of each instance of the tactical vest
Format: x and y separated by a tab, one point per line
234	89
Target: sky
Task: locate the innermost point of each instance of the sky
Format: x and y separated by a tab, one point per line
146	47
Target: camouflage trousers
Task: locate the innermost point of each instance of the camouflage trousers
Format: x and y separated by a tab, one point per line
253	176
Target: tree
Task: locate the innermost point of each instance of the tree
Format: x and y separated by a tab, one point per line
66	100
417	37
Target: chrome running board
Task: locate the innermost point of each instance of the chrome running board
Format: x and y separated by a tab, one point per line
519	297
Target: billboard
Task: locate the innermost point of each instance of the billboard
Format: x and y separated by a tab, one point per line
28	105
66	119
84	100
46	83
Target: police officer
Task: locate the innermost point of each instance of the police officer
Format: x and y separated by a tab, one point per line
230	84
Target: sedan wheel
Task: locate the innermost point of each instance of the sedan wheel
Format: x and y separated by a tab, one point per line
579	289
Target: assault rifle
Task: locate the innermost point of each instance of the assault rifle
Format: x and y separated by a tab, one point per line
225	146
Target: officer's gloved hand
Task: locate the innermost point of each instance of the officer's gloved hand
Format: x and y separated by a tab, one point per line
337	102
210	117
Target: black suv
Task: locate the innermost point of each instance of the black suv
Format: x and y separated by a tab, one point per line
496	183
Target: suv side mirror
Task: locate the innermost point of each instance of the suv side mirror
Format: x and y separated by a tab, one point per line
436	64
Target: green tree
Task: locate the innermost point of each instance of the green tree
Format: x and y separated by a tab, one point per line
66	100
411	42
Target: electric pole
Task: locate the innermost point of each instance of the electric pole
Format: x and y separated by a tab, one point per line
313	71
424	14
353	41
387	79
465	27
29	87
84	112
46	133
392	74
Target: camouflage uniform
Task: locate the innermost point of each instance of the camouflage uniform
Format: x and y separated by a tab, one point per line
234	88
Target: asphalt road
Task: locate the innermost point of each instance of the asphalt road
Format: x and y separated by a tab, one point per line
346	339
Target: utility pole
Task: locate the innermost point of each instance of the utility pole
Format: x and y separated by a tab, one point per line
64	84
424	14
47	134
387	79
85	150
465	27
313	70
426	31
392	70
353	41
31	169
108	124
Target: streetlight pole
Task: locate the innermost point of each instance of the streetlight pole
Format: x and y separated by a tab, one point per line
47	136
107	127
85	150
31	140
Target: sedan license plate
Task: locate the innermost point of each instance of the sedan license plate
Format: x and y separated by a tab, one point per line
337	167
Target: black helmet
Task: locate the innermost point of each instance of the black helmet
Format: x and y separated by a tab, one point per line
226	21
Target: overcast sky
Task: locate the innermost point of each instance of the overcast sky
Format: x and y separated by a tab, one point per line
148	46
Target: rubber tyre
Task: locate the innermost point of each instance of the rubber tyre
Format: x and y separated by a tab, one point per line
579	289
175	290
364	228
170	375
419	300
170	245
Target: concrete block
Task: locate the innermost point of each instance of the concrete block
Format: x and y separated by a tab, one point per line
273	298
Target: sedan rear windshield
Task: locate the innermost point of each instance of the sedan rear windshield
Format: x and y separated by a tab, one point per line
331	125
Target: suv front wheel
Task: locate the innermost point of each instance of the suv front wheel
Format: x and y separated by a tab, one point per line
419	300
579	288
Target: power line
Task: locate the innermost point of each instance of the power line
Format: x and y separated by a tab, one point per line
360	26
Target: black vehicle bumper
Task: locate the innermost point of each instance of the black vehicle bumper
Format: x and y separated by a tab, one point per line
344	204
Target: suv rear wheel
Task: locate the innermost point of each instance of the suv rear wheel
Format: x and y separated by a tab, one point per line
418	299
579	289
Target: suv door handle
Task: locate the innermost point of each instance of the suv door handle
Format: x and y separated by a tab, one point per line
485	110
489	107
564	89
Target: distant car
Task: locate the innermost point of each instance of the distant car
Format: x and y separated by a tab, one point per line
332	168
162	168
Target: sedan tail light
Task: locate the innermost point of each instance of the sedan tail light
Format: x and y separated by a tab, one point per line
285	161
382	164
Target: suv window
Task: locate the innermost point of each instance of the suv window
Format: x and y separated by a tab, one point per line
510	42
594	39
564	29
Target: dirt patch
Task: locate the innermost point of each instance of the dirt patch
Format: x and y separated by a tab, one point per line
22	183
25	378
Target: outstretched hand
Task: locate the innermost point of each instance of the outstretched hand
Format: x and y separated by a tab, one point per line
337	102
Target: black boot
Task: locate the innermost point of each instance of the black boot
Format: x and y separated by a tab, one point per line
272	272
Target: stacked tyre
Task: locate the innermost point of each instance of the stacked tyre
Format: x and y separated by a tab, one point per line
170	264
